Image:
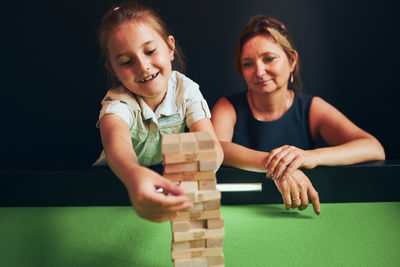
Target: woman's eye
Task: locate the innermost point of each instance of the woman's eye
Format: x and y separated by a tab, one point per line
151	52
269	59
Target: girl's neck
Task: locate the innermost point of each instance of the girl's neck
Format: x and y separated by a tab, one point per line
270	106
154	102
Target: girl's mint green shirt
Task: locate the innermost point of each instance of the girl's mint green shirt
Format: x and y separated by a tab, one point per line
183	105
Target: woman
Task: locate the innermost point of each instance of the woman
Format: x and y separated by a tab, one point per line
273	127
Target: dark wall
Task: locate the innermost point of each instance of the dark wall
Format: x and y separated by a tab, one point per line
52	78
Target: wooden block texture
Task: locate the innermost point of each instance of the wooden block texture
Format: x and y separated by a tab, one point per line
196	253
191	176
205	140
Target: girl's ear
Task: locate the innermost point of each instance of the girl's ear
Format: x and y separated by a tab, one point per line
109	68
171	45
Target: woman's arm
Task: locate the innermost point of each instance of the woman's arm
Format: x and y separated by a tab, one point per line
141	182
348	144
223	118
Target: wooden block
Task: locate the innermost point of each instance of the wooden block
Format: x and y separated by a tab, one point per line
180	245
190	186
215	223
207	165
188	142
199	262
199	243
191	176
211	205
190	156
195	234
205	141
197	206
207	185
207	195
200	224
196	253
215	260
214	243
181	167
190	189
180	226
197	215
170	143
183	263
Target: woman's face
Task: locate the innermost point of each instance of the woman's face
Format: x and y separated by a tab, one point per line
265	65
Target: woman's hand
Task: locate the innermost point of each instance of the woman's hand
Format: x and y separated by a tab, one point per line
152	205
282	161
296	190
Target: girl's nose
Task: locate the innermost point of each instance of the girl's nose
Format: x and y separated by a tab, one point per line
143	64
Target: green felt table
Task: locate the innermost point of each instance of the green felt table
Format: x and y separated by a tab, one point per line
348	234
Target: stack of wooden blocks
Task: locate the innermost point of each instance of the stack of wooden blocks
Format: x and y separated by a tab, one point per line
191	160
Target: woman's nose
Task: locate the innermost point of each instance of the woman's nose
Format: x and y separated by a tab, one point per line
260	69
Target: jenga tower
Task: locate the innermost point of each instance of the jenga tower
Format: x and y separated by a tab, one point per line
191	160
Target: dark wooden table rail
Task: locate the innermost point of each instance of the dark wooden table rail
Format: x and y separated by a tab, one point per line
98	186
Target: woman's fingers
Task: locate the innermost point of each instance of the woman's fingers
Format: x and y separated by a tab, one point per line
304	199
272	159
313	194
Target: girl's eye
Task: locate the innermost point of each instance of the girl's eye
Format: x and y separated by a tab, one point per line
246	64
125	63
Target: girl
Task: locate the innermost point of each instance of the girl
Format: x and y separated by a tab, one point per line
147	99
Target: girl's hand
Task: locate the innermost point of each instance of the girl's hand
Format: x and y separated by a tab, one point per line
152	205
296	190
282	161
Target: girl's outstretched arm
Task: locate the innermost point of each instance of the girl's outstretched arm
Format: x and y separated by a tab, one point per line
141	182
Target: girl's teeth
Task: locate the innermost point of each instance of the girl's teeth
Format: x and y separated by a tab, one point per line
148	78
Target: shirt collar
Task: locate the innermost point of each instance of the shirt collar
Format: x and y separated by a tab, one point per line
167	107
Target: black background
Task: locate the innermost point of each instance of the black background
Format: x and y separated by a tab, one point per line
52	78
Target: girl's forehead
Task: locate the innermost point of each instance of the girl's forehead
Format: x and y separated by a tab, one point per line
135	26
134	31
130	36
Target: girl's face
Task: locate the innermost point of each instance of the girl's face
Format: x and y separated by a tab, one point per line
141	59
265	66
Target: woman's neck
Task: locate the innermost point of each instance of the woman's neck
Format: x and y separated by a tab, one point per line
270	106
